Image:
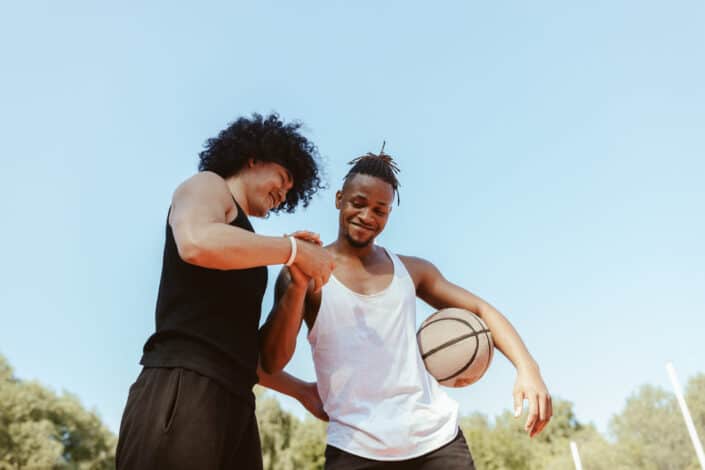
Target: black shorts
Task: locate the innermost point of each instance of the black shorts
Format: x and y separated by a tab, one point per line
178	419
453	456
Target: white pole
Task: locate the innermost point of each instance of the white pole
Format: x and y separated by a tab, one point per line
576	455
686	415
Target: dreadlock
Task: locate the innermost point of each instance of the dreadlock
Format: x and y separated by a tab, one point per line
380	165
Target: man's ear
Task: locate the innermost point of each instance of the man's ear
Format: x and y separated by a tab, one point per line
338	199
251	162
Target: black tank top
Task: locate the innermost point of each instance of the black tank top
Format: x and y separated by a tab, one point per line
208	319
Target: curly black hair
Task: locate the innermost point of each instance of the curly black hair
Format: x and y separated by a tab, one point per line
266	139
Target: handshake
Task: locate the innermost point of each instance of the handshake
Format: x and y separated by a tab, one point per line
308	261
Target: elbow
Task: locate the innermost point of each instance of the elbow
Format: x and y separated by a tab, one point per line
190	251
273	360
270	365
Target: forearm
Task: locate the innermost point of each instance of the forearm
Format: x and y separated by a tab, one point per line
278	335
505	337
282	382
222	246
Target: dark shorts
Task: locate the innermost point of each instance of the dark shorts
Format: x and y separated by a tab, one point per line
453	456
178	419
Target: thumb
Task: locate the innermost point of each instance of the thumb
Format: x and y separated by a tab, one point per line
295	270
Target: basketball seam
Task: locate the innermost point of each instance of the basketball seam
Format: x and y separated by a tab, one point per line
452	342
474	354
456	340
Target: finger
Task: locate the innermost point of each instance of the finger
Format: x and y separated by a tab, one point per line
317	284
543	406
326	278
518	403
305	234
543	423
313	241
293	269
539	427
294	272
533	413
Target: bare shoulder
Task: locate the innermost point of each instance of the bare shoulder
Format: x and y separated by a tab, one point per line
416	264
203	182
418	268
204	195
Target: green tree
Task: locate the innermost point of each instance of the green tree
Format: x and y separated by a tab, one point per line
276	427
287	442
42	430
650	432
695	397
497	446
308	445
504	445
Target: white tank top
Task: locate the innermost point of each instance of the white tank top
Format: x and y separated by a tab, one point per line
382	403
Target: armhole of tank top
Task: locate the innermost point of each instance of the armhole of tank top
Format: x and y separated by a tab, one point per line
238	211
400	270
313	331
403	273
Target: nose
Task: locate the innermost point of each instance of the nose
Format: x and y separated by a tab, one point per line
366	216
282	194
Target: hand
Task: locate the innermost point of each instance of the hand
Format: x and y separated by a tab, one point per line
529	385
314	262
299	280
311	400
306	236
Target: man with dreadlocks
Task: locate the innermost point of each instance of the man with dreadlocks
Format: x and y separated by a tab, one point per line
385	409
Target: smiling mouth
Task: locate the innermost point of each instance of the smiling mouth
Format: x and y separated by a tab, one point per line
362	227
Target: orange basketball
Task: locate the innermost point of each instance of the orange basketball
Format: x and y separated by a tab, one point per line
456	346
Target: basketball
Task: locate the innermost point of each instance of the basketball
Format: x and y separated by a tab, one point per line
456	346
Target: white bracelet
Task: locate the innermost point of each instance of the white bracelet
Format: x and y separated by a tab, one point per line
292	256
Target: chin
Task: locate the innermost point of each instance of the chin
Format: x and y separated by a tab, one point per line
261	212
359	243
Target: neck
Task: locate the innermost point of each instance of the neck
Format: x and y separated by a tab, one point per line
237	189
343	246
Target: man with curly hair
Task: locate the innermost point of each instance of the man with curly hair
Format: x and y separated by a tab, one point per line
192	405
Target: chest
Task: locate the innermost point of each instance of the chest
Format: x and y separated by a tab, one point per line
366	280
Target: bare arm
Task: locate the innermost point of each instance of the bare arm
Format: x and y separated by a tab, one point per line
305	392
278	334
282	382
203	236
438	292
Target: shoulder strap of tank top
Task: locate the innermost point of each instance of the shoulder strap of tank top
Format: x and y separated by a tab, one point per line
399	268
241	217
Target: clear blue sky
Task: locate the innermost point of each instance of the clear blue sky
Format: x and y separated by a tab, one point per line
552	159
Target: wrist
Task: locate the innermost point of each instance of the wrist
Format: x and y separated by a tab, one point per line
292	251
298	289
299	390
528	365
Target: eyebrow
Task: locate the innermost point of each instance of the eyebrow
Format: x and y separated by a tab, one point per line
361	196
